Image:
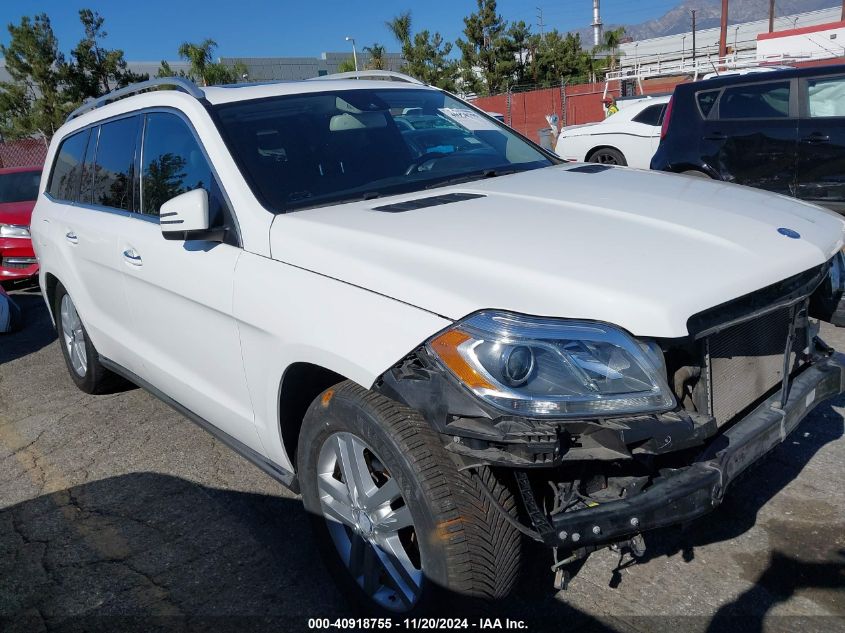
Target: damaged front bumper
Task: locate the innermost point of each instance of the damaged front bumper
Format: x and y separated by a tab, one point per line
691	492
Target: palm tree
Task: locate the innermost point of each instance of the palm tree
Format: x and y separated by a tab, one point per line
400	26
377	59
612	40
200	56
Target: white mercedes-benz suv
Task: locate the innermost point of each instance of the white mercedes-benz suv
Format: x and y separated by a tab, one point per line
443	337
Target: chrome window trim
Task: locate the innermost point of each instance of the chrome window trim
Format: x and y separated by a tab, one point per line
149	218
102	209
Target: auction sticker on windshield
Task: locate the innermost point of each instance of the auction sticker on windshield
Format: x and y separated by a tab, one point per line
468	119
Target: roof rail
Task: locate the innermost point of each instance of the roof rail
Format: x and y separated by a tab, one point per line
179	83
384	75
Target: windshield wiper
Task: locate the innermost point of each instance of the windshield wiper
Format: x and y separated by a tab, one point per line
478	175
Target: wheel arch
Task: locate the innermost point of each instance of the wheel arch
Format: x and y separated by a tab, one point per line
51	282
301	383
597	148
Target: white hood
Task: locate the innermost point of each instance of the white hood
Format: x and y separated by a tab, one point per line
643	250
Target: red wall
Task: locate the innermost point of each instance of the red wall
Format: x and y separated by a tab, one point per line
528	110
23	153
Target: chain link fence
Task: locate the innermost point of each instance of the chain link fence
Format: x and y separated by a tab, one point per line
22	153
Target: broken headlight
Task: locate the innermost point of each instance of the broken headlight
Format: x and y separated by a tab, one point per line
553	367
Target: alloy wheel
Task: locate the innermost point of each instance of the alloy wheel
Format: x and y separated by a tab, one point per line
74	337
369	522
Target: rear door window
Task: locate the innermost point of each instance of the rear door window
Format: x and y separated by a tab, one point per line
115	164
826	97
652	115
67	168
756	101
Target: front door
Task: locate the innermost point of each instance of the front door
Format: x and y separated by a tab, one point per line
180	292
821	147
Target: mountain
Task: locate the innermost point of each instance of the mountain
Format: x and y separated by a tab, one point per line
708	15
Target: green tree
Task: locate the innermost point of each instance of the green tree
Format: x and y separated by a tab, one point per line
559	57
426	55
95	70
346	66
519	34
204	70
34	101
377	59
488	54
610	45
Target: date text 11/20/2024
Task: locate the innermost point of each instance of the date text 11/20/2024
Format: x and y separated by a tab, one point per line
435	624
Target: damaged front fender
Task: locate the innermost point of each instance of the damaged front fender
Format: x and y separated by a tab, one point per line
482	434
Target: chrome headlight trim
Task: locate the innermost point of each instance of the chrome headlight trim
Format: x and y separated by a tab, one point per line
575	368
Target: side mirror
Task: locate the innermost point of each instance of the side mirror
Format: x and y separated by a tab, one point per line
185	217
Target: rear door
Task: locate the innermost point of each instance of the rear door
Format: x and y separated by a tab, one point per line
821	147
93	182
181	292
751	136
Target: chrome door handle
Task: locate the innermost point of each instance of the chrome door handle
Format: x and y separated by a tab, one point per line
70	236
132	257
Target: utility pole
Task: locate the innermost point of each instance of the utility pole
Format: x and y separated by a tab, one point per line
723	32
693	12
772	15
542	25
843	10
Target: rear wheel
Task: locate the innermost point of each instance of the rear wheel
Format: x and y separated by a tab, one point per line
81	357
695	173
400	527
608	156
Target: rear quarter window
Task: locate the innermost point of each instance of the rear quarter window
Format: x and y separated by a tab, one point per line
706	100
652	115
67	167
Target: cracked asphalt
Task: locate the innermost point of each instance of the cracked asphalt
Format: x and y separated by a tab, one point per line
116	513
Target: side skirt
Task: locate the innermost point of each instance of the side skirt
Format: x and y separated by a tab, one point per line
283	476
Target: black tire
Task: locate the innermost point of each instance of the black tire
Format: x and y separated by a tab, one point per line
95	378
467	549
608	156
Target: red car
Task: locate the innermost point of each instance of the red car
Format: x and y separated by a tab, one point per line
18	191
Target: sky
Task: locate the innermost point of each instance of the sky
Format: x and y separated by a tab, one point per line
151	30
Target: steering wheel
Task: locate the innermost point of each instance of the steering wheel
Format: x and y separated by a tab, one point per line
422	160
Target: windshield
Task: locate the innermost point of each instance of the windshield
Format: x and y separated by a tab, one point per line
309	150
19	187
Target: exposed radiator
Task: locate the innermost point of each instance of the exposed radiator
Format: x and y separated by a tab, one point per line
745	361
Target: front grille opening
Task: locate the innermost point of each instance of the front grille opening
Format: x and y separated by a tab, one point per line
744	363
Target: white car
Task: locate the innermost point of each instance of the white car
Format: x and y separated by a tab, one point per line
629	138
445	338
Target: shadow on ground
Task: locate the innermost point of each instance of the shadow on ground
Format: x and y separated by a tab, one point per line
102	555
37	330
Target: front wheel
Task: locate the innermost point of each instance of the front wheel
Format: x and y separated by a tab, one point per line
400	527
